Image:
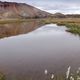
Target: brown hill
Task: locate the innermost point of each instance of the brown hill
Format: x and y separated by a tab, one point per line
60	15
20	10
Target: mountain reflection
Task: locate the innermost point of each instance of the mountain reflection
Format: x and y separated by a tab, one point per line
13	29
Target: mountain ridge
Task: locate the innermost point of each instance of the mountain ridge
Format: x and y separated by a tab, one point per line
20	10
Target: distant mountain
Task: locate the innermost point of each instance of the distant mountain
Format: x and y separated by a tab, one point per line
60	15
20	10
73	15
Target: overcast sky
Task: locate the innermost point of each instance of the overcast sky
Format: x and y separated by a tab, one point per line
53	6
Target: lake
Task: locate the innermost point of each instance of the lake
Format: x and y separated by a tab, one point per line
28	49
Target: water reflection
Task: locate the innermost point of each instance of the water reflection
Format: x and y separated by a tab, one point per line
50	28
12	29
48	48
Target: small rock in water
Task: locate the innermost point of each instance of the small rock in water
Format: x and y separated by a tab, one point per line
71	78
52	76
46	71
79	68
77	71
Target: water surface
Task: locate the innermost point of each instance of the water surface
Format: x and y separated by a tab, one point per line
26	56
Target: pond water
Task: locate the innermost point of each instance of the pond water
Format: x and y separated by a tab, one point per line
28	49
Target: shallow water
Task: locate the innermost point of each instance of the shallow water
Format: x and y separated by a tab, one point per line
26	56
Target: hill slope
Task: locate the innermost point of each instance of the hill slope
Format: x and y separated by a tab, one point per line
20	10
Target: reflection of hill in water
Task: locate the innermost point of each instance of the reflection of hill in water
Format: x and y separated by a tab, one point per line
12	29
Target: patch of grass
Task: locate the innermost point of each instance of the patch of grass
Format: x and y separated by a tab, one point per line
73	24
2	21
2	76
73	28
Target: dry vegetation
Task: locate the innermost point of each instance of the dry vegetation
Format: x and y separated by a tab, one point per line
73	24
